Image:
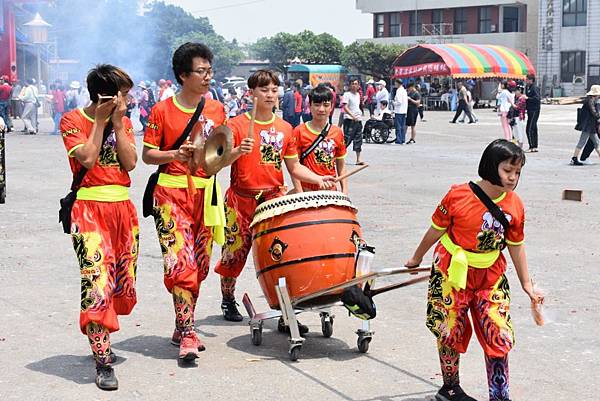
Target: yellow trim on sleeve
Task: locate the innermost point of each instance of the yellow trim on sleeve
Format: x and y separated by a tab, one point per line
438	227
149	145
342	157
515	243
291	157
73	149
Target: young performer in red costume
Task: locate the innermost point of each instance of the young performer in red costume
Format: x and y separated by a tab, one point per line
186	224
327	157
256	176
468	270
104	224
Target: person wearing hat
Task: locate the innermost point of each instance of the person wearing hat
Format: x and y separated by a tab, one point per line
506	100
588	123
382	94
5	93
370	97
144	104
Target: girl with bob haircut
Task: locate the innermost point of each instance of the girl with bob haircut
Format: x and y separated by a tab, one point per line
468	271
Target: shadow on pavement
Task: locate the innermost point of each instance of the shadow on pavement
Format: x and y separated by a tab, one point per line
76	368
151	346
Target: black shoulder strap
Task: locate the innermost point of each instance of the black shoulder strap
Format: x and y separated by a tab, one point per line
491	206
187	129
315	143
78	178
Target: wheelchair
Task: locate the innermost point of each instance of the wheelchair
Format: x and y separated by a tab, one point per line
379	131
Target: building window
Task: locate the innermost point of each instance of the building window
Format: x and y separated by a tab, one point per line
571	63
395	24
437	18
415	23
574	12
485	19
460	21
510	21
379	25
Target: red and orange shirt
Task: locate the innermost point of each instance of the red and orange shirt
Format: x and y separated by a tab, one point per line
167	122
262	168
322	159
76	127
471	225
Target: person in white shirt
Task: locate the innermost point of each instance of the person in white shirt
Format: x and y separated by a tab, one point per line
382	94
385	110
352	123
400	109
166	92
506	100
28	96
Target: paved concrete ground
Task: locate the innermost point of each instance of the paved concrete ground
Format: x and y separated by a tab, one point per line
44	357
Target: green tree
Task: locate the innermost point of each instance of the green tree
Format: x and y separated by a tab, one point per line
309	48
371	58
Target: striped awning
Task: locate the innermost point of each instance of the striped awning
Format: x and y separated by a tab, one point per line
461	60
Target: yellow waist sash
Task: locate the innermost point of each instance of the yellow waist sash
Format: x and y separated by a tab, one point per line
461	260
214	215
104	193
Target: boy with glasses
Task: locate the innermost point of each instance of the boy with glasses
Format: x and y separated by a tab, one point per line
186	224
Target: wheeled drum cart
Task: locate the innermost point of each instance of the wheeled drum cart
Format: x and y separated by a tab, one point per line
308	248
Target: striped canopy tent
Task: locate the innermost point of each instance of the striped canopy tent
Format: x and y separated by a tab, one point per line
461	60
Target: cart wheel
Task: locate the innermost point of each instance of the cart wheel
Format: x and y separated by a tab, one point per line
363	344
281	326
327	327
257	336
294	353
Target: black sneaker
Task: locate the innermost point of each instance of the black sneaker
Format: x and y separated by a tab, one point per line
282	328
575	162
105	378
452	393
230	311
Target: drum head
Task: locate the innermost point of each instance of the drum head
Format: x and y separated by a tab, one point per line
303	200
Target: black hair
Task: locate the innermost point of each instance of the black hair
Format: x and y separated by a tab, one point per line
184	56
354	80
106	79
531	77
384	102
263	78
399	81
411	84
320	94
495	153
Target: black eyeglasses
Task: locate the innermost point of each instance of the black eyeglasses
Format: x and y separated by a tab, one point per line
203	72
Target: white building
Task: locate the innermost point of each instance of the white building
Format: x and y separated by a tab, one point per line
569	49
511	23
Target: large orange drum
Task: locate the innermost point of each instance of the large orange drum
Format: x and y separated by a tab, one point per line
308	238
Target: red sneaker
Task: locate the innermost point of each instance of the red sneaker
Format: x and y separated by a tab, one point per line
188	346
176	340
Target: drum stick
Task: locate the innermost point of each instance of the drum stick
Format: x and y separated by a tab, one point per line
252	118
343	177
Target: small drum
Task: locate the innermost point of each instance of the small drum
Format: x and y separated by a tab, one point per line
310	239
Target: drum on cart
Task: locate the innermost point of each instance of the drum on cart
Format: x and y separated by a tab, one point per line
309	238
